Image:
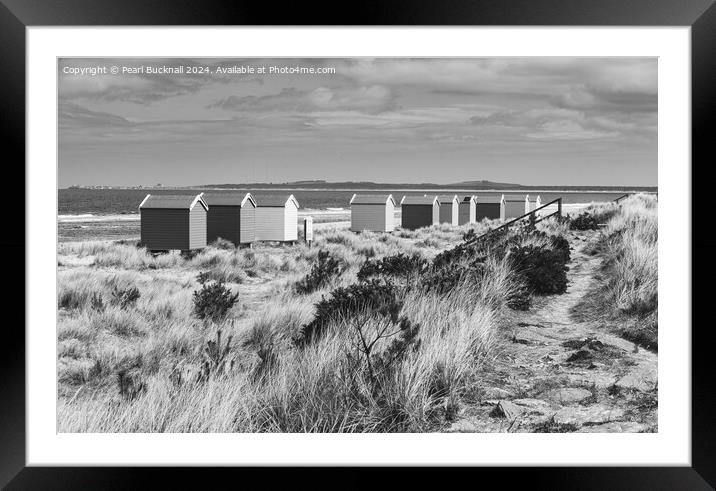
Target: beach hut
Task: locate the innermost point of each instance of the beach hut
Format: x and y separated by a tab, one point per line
488	207
277	218
512	206
531	203
374	212
419	211
169	222
466	210
231	216
449	206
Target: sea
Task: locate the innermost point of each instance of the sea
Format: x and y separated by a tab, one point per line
111	214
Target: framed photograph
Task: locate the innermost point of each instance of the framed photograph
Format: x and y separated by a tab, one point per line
434	235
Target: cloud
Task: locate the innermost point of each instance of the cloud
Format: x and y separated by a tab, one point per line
595	99
549	76
368	99
567	130
71	115
564	124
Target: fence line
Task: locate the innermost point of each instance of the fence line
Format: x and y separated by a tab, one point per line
532	217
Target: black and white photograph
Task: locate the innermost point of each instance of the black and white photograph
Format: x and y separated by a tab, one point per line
370	245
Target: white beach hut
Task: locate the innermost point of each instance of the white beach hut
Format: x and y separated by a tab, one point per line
374	212
532	203
277	219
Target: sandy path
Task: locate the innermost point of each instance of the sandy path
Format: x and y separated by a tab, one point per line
553	374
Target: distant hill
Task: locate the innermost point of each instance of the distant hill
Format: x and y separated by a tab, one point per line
485	185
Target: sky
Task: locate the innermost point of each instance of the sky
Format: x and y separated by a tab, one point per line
531	121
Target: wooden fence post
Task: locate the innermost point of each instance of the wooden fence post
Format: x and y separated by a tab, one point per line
559	207
308	230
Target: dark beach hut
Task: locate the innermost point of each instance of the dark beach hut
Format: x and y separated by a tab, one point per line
448	208
169	222
512	206
487	207
419	211
466	210
232	217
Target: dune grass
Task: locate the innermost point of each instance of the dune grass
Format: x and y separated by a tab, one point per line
179	374
626	297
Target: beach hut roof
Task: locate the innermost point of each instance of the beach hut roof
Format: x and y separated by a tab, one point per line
514	197
228	199
495	198
447	198
276	201
167	201
371	199
467	199
418	200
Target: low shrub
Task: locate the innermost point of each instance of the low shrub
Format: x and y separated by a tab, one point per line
584	221
325	269
347	303
445	279
520	299
398	265
213	302
371	356
215	358
125	297
544	269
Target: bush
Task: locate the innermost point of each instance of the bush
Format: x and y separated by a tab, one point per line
398	265
215	358
443	280
561	246
584	221
213	302
370	356
321	273
520	299
544	269
474	250
347	303
125	297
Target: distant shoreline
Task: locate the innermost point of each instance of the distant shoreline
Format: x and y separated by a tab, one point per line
436	190
647	190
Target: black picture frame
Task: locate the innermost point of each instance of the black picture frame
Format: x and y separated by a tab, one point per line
17	15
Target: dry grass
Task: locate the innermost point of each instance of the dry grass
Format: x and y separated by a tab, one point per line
627	296
271	385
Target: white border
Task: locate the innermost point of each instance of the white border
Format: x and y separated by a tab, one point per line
670	446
